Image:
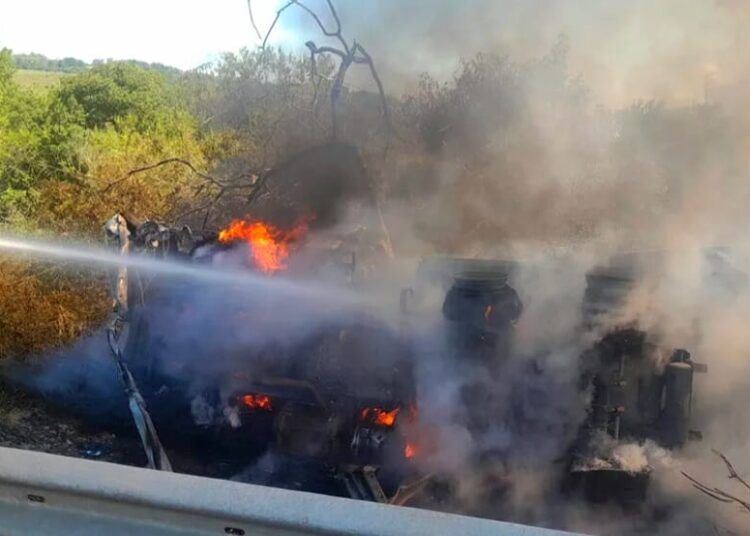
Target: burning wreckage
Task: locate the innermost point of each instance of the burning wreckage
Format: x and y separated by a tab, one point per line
338	403
640	390
332	401
637	389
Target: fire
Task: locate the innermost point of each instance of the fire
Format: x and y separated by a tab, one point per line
257	402
379	416
269	245
410	450
487	313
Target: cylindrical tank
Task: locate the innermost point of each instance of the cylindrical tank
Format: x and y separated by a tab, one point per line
678	388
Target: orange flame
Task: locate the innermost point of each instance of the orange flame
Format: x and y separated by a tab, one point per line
379	416
269	246
257	402
410	450
487	313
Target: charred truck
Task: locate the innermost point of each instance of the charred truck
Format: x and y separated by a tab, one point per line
331	402
338	398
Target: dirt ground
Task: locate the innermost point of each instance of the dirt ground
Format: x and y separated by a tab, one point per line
30	423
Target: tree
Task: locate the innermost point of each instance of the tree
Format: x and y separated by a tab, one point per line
110	92
348	54
7	68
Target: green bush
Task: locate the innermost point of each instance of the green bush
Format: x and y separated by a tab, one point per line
62	155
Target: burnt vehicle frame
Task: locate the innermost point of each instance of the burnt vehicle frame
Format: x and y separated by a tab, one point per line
636	396
318	407
639	390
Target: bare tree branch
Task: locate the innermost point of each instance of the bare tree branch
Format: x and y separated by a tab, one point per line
355	53
275	20
194	210
252	19
241	181
705	489
324	50
335	16
719	494
328	33
367	59
259	186
210	207
338	82
149	167
256	187
732	472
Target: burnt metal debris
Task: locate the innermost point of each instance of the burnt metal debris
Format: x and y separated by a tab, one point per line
117	232
323	405
315	403
640	390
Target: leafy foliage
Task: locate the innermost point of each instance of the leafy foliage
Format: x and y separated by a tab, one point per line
60	153
6	67
117	92
36	141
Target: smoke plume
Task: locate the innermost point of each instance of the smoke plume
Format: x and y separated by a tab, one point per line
632	50
583	130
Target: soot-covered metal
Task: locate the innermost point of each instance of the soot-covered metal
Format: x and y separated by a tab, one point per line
329	396
638	389
333	400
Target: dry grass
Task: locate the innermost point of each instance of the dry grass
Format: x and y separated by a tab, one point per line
43	307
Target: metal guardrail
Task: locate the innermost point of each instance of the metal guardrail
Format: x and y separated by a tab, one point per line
55	495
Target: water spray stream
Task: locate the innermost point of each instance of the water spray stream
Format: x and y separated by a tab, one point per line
87	255
181	270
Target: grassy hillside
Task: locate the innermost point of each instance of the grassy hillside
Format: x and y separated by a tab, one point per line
37	79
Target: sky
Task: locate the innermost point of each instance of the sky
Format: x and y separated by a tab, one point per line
182	33
670	50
